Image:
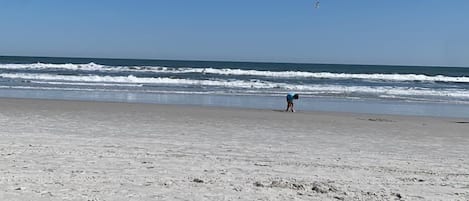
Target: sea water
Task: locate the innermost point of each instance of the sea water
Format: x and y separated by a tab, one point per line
407	90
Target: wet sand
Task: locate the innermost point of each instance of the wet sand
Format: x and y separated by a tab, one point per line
72	150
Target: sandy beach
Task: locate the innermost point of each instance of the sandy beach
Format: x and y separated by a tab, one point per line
71	150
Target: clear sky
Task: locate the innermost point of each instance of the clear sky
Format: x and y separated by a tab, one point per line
409	32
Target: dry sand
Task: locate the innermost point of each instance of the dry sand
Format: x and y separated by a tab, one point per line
70	150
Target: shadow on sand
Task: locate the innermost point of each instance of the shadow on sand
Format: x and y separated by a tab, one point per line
278	110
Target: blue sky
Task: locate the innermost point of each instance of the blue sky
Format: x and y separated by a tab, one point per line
409	32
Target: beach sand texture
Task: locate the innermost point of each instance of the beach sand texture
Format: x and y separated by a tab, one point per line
71	150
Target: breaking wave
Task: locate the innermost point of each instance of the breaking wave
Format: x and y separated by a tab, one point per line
241	72
133	81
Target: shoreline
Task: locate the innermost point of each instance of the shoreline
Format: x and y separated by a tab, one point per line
230	108
309	104
80	150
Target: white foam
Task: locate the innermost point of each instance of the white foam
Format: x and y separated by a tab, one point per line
110	90
87	84
38	66
241	72
243	84
328	75
138	80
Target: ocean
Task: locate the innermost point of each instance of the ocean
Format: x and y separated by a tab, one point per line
404	90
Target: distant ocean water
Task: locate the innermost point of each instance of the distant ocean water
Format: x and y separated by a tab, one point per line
403	84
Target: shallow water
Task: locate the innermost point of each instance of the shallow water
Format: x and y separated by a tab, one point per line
276	103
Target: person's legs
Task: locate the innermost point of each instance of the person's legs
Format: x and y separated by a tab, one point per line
288	106
290	102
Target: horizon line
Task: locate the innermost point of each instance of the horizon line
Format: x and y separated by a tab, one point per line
235	61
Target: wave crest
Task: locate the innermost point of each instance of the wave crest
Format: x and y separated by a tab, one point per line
235	84
241	72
